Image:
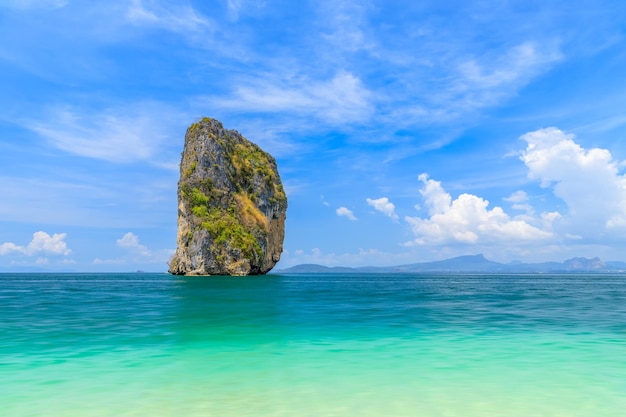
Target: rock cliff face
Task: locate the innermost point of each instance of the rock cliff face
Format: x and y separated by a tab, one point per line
231	205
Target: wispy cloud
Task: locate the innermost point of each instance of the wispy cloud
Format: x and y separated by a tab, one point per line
341	99
480	84
237	8
519	200
34	4
472	81
234	6
343	25
180	19
120	135
79	201
604	125
518	196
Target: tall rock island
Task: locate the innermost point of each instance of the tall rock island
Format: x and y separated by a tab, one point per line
231	205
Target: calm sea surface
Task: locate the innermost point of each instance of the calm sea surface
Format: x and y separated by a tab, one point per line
116	345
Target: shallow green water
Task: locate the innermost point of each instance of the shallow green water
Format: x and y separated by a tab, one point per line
312	345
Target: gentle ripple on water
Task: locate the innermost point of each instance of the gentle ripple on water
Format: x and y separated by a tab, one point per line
394	345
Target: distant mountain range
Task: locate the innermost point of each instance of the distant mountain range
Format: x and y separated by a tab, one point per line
472	263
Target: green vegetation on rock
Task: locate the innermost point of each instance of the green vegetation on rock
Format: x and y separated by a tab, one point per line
227	231
223	225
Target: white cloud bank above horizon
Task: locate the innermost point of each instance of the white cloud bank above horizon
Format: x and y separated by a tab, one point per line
466	220
587	180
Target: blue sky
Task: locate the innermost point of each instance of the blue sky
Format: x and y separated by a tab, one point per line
404	131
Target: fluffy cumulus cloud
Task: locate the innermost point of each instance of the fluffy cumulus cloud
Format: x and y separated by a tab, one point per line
384	206
587	180
346	212
42	244
466	219
131	242
135	252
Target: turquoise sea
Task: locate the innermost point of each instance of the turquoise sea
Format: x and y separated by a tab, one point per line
117	345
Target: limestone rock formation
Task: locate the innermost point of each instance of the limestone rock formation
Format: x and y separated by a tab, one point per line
231	205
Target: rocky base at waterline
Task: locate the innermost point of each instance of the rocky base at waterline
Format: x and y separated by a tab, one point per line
231	205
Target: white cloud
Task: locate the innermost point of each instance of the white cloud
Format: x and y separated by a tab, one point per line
122	135
341	99
466	220
587	180
234	7
517	197
42	243
9	247
436	199
520	202
344	24
517	65
131	241
182	19
384	206
136	253
343	211
479	81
